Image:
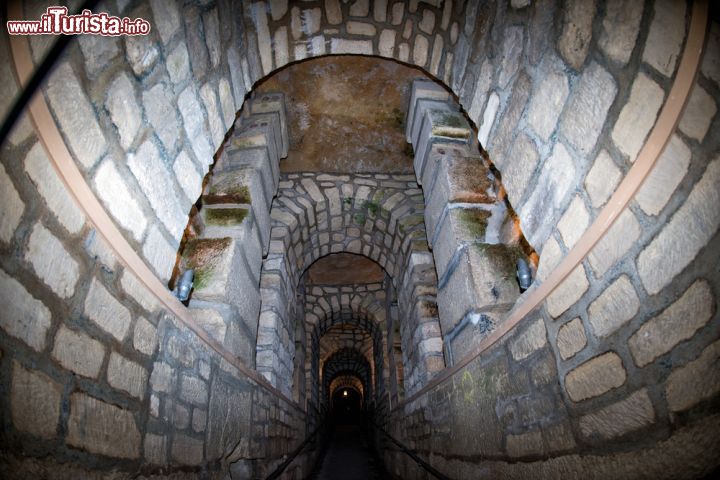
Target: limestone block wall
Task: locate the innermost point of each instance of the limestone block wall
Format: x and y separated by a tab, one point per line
143	116
379	216
613	375
98	378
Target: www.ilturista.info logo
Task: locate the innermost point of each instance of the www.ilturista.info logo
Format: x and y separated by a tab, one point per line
56	21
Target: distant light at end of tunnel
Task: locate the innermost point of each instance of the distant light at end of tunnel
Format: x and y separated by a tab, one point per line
344	393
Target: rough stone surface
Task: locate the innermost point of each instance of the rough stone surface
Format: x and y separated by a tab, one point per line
631	413
571	338
361	28
178	64
209	98
124	111
574	41
155	449
602	179
511	50
159	253
167	18
620	27
99	427
113	191
351	47
530	340
637	116
568	292
552	186
13	207
24	316
675	324
587	108
199	420
162	377
127	375
614	307
157	184
98	51
138	292
574	222
145	337
107	312
76	116
142	53
619	238
187	450
698	114
188	177
667	31
53	191
520	169
162	115
193	390
420	50
488	119
211	321
595	377
194	123
78	352
694	382
684	235
34	402
666	175
547	102
52	262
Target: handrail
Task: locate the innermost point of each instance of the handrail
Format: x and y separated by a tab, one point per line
429	468
281	468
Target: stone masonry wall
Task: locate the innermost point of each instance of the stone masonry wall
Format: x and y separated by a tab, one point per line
347	316
379	216
98	379
614	375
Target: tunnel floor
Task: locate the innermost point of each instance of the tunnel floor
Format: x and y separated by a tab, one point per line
348	456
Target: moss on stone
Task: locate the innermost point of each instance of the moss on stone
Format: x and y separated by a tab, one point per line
372	207
409	221
474	221
503	257
359	218
225	217
223	193
203	256
451	126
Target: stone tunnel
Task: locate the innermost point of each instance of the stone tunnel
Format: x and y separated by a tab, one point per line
447	239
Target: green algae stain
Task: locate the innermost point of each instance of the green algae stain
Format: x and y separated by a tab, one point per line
474	221
225	217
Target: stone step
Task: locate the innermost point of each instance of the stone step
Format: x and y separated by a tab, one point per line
439	126
273	102
425	89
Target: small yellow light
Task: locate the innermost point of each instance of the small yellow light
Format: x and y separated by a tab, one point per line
344	393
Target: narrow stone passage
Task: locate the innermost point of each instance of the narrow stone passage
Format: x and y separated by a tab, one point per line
349	457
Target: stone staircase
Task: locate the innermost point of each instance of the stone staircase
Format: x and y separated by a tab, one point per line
235	226
475	242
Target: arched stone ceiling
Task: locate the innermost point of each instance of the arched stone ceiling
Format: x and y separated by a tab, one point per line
346	114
